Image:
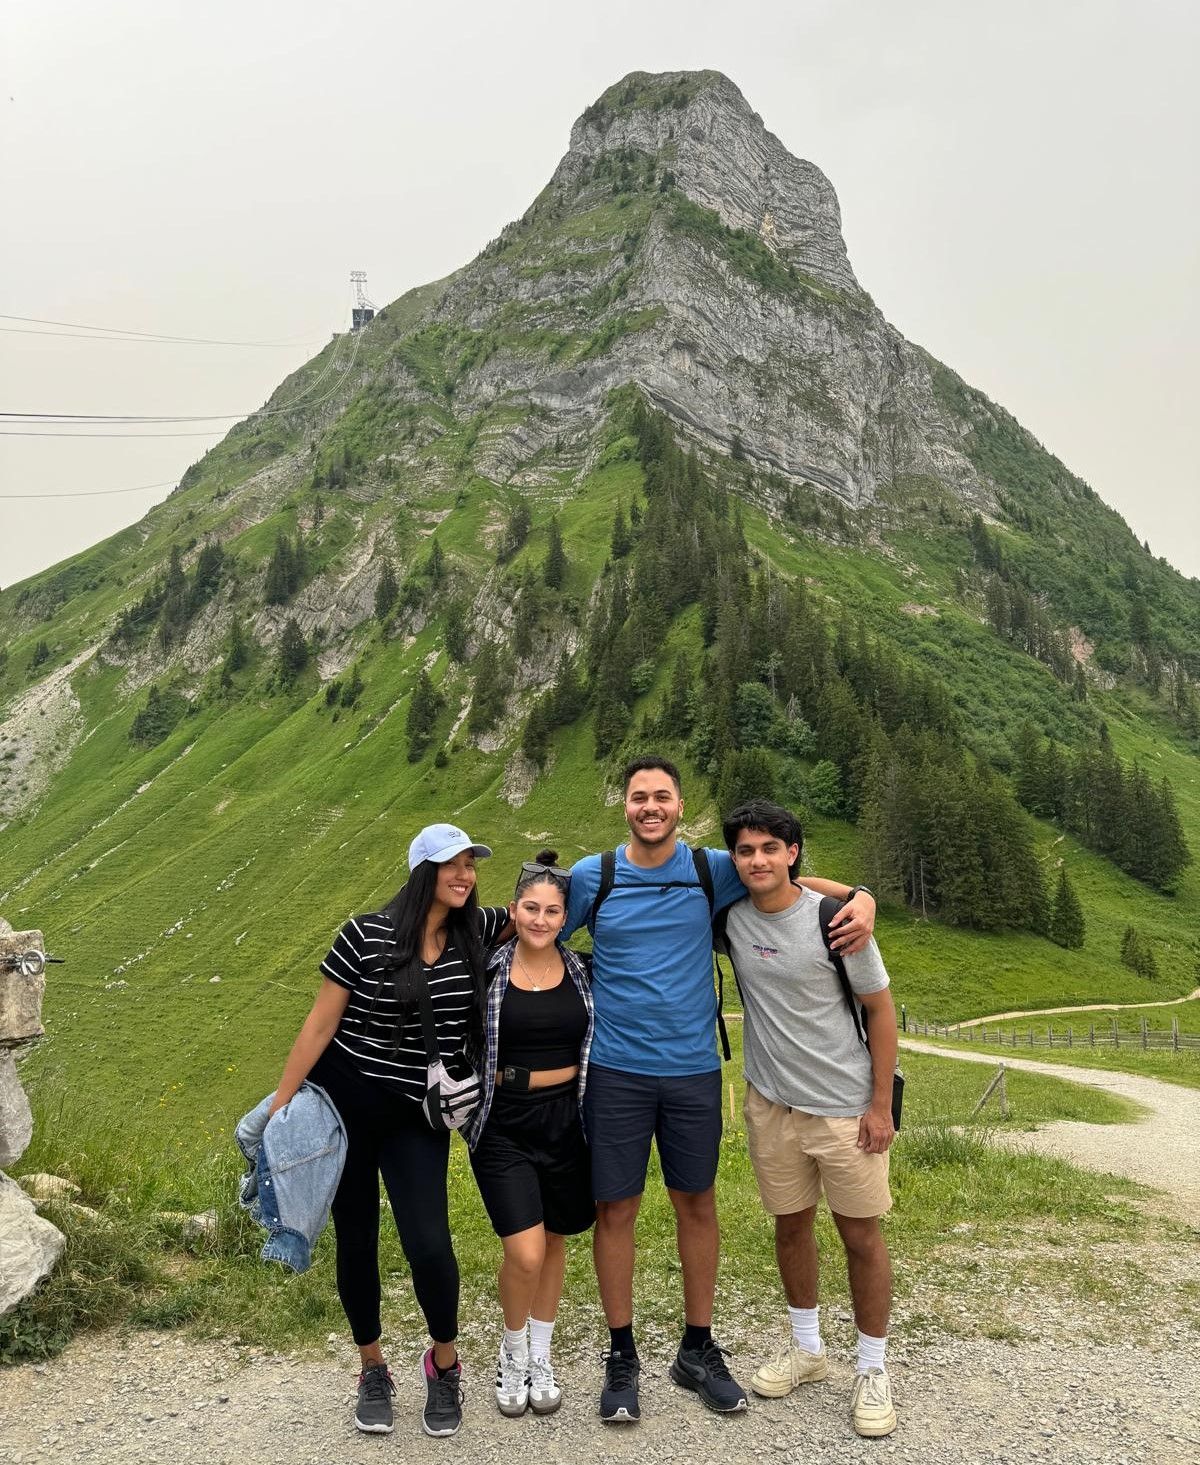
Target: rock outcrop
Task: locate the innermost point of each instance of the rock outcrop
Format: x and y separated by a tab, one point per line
29	1244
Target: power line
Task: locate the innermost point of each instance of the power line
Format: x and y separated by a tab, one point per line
332	364
120	331
212	432
88	493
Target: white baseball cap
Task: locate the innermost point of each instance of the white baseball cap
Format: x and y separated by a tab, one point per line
441	842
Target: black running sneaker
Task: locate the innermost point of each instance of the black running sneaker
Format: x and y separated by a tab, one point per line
619	1397
373	1413
703	1370
443	1398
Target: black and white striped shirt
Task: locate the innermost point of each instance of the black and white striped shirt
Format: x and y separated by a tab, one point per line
367	1034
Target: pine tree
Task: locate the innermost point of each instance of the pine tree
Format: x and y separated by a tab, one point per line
746	773
386	591
535	740
237	648
422	716
1066	919
435	565
293	652
280	572
554	572
622	541
490	691
455	631
352	689
516	531
823	788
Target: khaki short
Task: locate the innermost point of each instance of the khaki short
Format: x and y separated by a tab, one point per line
795	1155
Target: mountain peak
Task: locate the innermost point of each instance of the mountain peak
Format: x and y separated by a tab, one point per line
700	127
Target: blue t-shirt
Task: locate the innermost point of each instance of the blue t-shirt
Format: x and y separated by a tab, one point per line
652	979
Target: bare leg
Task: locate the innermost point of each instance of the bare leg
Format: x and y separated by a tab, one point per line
550	1284
796	1255
698	1238
370	1354
520	1271
612	1251
870	1271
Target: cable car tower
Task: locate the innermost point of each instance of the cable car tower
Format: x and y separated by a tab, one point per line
362	312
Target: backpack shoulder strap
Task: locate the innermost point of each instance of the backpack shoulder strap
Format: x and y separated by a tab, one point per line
705	877
608	876
830	905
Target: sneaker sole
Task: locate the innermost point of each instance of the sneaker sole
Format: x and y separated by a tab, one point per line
875	1431
621	1416
686	1381
512	1411
372	1428
547	1408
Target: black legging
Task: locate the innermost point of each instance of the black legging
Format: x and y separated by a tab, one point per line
390	1136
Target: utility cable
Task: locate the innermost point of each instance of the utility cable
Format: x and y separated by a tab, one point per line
120	331
332	364
88	493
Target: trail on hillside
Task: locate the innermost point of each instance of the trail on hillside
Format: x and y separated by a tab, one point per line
974	1022
1160	1150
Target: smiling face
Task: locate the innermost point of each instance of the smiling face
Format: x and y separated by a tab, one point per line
652	807
539	914
455	880
763	862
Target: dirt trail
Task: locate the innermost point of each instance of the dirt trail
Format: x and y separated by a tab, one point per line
1161	1149
974	1022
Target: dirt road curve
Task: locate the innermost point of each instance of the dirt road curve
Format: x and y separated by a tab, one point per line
1161	1150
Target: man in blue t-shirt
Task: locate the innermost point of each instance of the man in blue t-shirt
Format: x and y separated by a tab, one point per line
654	1071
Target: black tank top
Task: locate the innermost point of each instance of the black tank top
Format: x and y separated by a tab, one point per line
542	1030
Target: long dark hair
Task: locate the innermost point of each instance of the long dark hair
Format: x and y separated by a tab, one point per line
403	975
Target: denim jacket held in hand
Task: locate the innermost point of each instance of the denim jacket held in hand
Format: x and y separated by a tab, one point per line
295	1160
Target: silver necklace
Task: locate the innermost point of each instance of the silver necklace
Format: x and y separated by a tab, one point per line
536	984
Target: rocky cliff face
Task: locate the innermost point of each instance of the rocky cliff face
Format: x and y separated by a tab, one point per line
715	261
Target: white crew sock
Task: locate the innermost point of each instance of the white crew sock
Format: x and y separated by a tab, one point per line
806	1328
516	1344
539	1339
872	1352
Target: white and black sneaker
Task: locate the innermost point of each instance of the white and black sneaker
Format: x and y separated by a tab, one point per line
373	1412
619	1397
512	1383
544	1393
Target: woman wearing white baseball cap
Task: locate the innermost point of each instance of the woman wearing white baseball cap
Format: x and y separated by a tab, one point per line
393	1037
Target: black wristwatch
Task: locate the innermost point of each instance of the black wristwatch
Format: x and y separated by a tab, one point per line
861	890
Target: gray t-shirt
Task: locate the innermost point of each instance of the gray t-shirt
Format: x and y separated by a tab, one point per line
801	1047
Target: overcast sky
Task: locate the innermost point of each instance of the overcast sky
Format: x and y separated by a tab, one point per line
1018	186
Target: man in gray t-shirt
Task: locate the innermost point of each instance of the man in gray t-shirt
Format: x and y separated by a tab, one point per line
818	1103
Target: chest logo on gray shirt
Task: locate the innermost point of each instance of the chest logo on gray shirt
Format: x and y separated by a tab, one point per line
765	952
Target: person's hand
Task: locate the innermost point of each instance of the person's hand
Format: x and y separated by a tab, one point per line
875	1129
851	928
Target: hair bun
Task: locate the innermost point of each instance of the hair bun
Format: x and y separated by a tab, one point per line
546	857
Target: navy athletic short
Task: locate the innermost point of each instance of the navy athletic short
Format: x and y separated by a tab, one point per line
625	1111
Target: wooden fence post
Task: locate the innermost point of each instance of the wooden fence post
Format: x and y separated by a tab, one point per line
1116	1034
1175	1034
1092	1034
1050	1035
1145	1044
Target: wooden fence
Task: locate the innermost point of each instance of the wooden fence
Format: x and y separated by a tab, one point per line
1104	1033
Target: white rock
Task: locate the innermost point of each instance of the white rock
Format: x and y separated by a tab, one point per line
48	1187
29	1244
16	1121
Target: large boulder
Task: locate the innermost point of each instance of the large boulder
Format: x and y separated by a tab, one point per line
16	1121
29	1245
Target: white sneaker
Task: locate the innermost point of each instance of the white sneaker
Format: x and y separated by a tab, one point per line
512	1383
791	1367
871	1404
544	1393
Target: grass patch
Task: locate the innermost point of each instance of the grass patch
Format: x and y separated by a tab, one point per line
133	1266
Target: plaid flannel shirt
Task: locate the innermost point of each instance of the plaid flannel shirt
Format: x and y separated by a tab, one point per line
501	962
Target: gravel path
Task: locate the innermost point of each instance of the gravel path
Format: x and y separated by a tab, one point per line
146	1398
974	1022
1161	1150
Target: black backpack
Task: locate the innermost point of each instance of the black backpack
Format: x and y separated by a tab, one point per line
703	880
